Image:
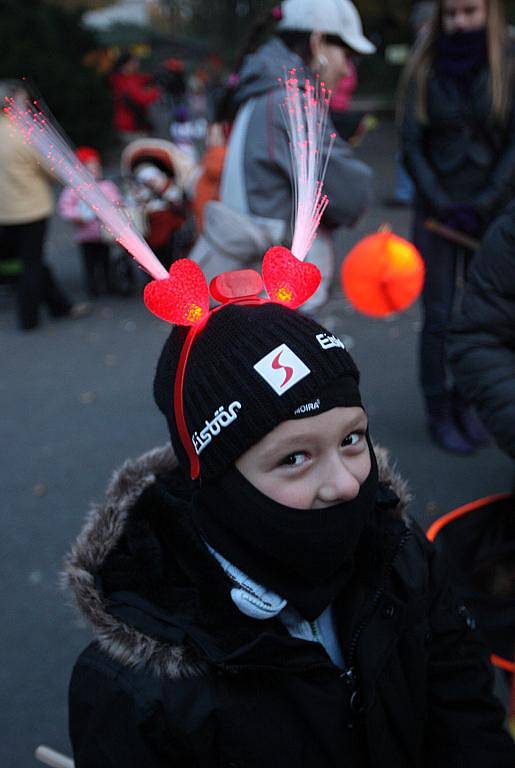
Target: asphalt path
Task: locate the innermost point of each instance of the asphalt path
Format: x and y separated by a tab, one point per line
76	400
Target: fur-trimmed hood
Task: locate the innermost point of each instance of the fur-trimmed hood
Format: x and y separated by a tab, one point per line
103	530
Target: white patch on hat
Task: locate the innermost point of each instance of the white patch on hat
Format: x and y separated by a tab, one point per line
282	369
328	341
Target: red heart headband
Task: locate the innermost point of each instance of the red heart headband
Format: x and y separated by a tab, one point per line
181	296
183	299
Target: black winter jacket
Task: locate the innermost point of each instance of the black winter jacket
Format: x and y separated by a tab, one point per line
178	676
481	341
462	155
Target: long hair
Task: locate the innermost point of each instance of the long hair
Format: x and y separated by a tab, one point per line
263	27
419	65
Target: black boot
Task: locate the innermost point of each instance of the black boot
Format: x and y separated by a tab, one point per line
442	427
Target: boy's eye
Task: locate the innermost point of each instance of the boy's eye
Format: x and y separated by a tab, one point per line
353	439
293	460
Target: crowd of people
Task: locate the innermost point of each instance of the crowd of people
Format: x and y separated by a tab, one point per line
160	167
262	595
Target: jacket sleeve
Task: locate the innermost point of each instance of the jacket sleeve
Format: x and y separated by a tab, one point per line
348	181
501	181
67	204
465	719
348	185
113	726
481	340
111	191
414	158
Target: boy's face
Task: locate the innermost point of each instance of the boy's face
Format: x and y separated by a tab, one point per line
311	463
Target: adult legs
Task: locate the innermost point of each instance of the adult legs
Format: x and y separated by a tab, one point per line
440	258
105	266
36	284
89	268
96	267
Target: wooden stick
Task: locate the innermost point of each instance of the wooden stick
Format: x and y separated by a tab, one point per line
52	758
452	234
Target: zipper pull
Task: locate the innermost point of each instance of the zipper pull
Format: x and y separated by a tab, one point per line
350	677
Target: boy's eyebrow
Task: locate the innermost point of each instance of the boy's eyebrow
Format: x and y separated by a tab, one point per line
284	443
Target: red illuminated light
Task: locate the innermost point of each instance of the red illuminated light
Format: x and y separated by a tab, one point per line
182	298
287	280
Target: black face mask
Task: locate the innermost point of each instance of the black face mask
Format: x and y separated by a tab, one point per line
304	555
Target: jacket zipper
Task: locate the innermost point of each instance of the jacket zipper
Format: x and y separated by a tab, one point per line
349	673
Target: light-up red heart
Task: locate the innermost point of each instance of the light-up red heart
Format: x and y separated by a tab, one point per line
287	280
183	298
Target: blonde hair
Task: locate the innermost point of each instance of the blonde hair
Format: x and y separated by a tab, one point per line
419	65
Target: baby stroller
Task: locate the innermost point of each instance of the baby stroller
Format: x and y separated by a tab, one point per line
158	181
479	542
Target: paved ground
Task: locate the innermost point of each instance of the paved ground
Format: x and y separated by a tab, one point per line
76	401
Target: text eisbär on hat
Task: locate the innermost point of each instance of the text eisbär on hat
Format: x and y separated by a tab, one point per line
223	418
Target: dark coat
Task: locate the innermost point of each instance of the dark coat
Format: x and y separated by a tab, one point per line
179	677
462	155
481	341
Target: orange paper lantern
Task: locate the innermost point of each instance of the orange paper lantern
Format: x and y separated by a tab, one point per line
382	274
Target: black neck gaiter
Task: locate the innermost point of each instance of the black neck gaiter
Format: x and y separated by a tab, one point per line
461	55
304	555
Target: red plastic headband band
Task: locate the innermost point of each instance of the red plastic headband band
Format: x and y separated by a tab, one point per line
178	392
178	400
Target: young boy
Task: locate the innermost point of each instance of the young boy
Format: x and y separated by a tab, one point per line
89	235
283	608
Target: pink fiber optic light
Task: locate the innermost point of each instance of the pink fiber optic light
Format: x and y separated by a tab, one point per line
46	138
305	111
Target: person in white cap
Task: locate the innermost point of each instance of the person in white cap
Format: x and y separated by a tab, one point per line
312	37
332	17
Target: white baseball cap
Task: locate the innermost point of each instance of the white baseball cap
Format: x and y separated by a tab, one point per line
333	17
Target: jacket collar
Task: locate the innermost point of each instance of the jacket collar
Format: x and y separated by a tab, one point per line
121	631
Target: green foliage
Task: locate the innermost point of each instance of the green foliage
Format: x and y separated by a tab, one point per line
47	44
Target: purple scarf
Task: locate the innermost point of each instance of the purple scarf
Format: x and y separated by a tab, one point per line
461	56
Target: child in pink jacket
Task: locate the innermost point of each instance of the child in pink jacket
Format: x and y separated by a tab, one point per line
89	234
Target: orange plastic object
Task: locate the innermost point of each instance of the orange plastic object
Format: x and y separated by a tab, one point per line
508	665
382	274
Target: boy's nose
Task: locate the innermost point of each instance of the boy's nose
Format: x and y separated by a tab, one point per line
337	484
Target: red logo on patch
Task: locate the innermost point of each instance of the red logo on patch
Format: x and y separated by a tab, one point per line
277	365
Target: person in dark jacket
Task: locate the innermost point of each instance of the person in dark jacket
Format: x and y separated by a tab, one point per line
481	341
282	608
458	137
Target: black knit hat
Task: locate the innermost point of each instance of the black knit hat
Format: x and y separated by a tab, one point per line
249	369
